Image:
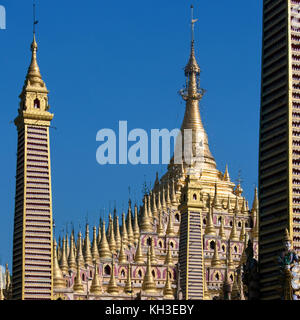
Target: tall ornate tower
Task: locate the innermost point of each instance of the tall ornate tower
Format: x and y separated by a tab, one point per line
279	154
32	248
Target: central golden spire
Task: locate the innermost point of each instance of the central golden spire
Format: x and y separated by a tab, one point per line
192	94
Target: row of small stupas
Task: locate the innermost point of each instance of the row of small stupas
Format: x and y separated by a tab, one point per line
139	259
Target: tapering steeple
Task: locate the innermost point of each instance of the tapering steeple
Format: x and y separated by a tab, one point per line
255	202
78	287
79	256
169	259
173	196
58	279
168	291
63	261
145	223
112	286
136	228
124	230
34	81
96	283
160	228
149	285
192	94
117	234
170	232
95	252
139	258
210	229
87	247
104	247
216	203
122	256
129	225
112	241
71	258
226	174
222	233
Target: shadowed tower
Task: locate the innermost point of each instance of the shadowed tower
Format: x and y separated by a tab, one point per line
279	154
32	248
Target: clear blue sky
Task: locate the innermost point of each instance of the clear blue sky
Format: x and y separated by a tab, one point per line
105	61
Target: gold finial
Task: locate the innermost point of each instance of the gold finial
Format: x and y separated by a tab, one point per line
58	279
96	283
215	262
71	258
129	226
128	284
87	247
99	236
168	199
229	208
160	227
222	233
136	229
173	197
159	207
226	174
112	241
169	259
139	258
112	286
149	285
244	206
170	229
104	247
210	229
149	208
216	203
255	202
145	223
233	234
153	255
124	230
78	287
108	233
63	261
117	234
237	207
168	291
122	255
154	208
79	257
95	252
67	246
